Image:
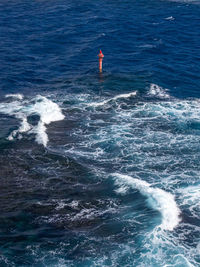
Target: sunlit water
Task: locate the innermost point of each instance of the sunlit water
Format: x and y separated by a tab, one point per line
100	169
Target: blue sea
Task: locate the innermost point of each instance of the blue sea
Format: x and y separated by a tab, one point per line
100	169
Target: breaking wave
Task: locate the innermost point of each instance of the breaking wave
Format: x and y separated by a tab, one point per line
157	91
46	110
158	199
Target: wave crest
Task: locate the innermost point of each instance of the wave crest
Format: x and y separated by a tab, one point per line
158	91
158	199
47	111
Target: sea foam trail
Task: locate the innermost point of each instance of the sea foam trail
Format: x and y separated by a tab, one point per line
47	111
158	199
97	104
158	91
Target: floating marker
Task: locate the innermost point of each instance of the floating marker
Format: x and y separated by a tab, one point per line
100	60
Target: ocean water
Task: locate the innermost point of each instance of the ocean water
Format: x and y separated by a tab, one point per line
100	169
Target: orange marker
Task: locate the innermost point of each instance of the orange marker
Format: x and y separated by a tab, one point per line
100	60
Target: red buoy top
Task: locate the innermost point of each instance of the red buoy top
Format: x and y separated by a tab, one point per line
100	54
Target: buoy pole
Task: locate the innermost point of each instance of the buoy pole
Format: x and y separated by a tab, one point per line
100	55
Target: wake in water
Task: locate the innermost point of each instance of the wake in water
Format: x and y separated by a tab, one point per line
45	109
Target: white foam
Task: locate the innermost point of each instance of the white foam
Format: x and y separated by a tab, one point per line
41	135
17	96
47	110
170	18
24	127
97	104
179	260
125	95
158	199
158	91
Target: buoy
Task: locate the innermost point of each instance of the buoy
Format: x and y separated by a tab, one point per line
100	60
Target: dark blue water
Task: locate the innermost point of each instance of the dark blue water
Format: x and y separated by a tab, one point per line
99	169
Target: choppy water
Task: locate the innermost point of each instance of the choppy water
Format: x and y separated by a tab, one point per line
100	169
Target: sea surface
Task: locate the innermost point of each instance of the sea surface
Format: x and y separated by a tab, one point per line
100	169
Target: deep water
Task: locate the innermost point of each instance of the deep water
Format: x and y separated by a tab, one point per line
100	169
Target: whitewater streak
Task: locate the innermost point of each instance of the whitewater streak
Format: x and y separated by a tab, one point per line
154	90
158	199
97	104
47	111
